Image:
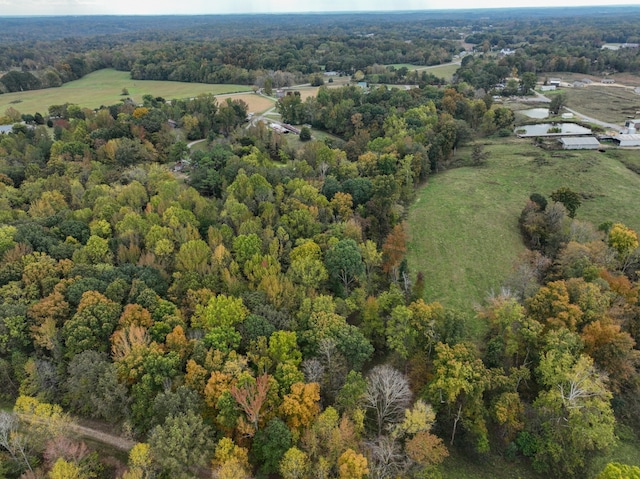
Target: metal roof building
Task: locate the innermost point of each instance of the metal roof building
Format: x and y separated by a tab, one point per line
627	140
579	143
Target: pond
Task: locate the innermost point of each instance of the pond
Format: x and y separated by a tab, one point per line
536	112
559	129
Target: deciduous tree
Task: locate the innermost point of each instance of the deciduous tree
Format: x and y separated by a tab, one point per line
387	396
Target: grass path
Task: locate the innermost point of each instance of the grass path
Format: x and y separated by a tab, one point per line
118	442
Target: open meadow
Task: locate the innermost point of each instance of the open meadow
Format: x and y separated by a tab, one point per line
446	70
256	103
464	222
613	104
104	87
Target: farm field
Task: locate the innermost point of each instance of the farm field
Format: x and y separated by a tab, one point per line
104	87
613	104
464	222
445	71
257	103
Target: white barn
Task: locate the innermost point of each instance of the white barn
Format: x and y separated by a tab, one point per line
579	143
627	140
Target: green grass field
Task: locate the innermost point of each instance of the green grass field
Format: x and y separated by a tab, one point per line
445	71
464	222
442	71
104	87
459	465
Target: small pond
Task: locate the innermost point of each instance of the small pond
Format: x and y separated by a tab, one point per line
542	129
536	112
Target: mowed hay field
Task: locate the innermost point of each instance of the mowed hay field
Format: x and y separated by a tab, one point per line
104	87
256	103
445	71
464	223
613	104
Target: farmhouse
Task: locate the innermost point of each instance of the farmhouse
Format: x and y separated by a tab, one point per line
632	125
5	129
627	140
555	82
579	143
607	81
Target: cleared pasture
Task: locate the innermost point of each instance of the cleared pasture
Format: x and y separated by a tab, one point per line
613	104
464	222
256	103
446	70
104	87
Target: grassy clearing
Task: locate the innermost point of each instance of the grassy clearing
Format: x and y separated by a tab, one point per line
442	71
408	66
256	103
626	451
104	87
464	222
606	103
458	465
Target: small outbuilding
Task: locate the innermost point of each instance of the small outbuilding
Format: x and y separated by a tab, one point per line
627	140
579	143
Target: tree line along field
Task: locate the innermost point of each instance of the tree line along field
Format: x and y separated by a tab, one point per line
105	87
464	222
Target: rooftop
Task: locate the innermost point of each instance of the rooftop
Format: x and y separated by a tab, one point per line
575	140
628	137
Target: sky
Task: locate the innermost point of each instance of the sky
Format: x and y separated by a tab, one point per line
196	7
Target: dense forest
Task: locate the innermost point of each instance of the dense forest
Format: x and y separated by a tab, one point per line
246	310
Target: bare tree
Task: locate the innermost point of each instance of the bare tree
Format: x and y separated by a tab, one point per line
313	370
386	460
12	440
388	395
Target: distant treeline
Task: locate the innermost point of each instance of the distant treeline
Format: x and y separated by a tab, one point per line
247	49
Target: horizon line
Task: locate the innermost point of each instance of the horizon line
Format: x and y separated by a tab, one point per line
320	12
